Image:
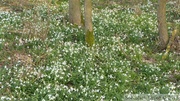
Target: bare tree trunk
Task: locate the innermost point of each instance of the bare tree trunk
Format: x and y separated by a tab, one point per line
162	26
75	12
89	38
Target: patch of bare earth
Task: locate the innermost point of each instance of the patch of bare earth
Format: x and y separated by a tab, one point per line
5	9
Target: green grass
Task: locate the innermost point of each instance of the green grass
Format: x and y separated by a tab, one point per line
123	61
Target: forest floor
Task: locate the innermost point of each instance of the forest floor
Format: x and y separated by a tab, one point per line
44	57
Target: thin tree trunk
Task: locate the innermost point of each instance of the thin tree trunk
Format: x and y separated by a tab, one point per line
75	12
89	38
162	26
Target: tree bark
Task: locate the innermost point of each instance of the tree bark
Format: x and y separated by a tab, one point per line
75	12
89	38
162	26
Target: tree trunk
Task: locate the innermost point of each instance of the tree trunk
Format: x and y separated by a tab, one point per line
89	38
162	26
75	12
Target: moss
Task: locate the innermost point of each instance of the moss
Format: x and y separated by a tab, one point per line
90	40
82	20
171	40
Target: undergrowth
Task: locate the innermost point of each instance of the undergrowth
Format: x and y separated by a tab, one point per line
44	57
